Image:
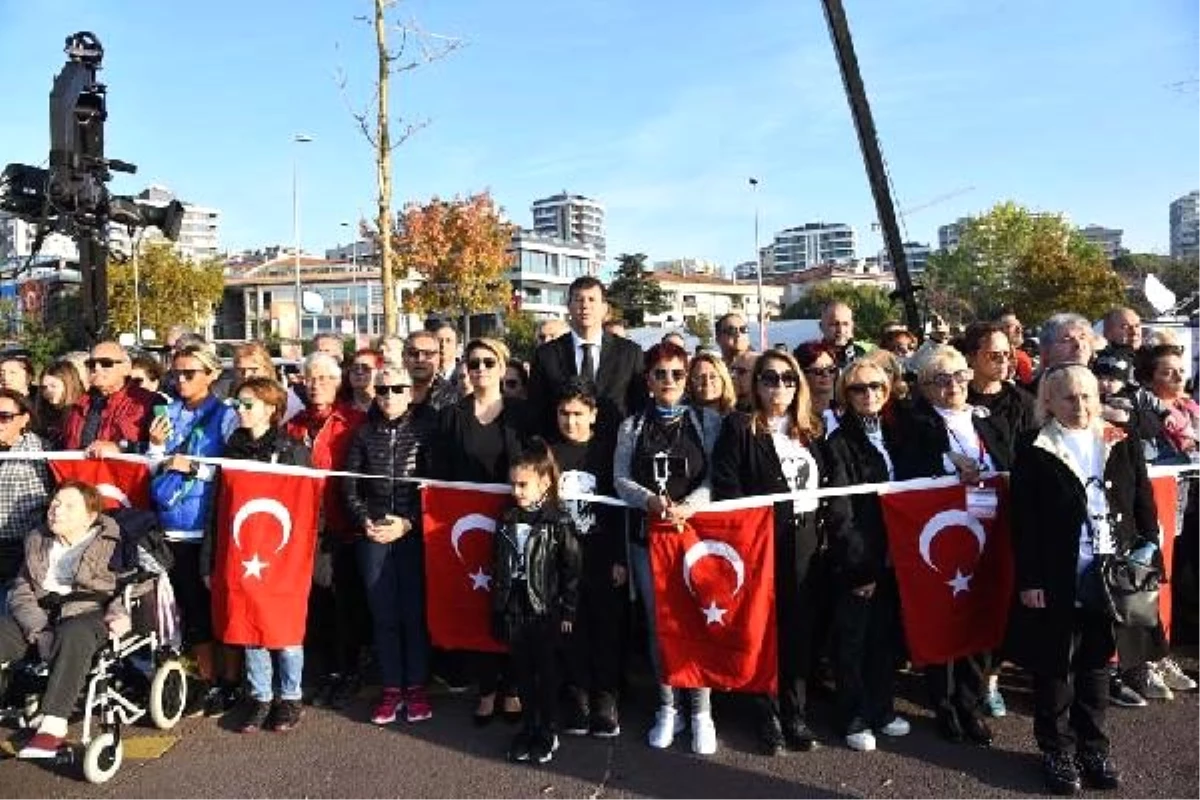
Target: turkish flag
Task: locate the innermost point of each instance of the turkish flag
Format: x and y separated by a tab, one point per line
266	540
1166	499
714	590
458	526
955	571
122	484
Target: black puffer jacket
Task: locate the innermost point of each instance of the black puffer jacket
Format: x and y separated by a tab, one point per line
395	449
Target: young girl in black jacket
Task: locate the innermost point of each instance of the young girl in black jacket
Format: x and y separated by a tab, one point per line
535	588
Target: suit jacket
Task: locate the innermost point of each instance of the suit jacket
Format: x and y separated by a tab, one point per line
620	387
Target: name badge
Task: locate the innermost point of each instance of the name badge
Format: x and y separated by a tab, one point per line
982	502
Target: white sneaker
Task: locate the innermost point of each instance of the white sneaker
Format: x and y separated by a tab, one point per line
1174	677
667	723
863	741
897	727
704	735
1156	688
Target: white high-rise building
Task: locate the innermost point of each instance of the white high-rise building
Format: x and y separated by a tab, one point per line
199	235
571	217
811	245
916	255
1107	239
1185	226
17	240
948	235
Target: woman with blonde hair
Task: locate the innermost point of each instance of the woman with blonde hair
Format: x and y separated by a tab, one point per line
709	383
778	448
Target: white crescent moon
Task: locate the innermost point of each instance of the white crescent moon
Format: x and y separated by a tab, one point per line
263	505
948	519
713	547
114	494
471	522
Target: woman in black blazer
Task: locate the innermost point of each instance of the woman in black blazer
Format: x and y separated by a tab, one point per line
1079	488
777	448
866	600
948	436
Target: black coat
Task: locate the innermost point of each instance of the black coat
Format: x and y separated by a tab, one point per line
395	449
1049	506
1012	404
620	384
552	565
925	439
453	457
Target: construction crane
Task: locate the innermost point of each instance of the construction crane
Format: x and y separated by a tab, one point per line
941	198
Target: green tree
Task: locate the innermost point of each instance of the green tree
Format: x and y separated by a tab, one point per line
1051	277
172	290
520	334
871	305
634	292
701	327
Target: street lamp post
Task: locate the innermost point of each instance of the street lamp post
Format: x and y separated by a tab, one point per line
299	138
354	281
762	306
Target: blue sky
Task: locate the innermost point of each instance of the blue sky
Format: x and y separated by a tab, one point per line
661	110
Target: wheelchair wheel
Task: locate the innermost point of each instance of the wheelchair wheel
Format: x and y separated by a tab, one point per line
168	693
102	758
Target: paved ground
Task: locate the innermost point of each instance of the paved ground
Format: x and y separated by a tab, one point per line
338	754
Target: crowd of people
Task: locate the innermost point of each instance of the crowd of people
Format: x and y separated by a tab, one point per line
666	431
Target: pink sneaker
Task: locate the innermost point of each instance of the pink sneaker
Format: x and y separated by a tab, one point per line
391	703
416	704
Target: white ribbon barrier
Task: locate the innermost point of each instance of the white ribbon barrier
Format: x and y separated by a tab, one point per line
755	501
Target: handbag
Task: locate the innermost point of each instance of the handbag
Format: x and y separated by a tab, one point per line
1122	589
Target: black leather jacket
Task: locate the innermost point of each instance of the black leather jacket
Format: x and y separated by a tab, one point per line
552	565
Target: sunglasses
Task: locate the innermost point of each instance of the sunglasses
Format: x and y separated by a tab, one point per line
413	352
189	374
362	367
137	381
944	380
998	356
8	416
384	389
476	364
244	403
704	380
863	388
102	363
675	375
734	330
822	372
773	380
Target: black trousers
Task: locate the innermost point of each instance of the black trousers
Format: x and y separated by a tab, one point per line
1069	707
534	652
957	687
865	655
76	642
593	648
801	606
339	619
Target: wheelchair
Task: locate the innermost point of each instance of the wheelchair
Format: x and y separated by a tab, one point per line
134	676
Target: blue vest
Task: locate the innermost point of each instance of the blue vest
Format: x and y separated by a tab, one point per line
183	502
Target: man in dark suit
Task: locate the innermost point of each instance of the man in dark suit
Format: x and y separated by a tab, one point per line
612	362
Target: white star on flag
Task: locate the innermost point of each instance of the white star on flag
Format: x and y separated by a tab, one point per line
254	567
480	580
714	615
960	583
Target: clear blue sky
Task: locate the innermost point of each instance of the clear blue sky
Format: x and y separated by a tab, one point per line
661	110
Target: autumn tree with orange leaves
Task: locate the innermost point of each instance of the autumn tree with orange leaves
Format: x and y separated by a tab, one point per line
459	248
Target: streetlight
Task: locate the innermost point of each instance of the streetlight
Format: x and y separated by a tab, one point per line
762	306
354	280
299	138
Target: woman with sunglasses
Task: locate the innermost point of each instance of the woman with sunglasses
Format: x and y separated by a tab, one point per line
989	355
818	361
393	443
777	448
260	403
949	436
24	485
60	390
182	492
358	386
662	467
710	384
477	439
866	602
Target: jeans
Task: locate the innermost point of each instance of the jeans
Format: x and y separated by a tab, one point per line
260	674
393	576
643	578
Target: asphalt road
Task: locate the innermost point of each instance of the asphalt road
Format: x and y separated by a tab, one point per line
339	754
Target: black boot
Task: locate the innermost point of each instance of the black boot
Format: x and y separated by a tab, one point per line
976	730
1098	771
770	736
948	725
1060	774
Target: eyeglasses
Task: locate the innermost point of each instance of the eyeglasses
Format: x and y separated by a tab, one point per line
675	375
414	353
773	380
822	372
249	371
8	416
320	378
476	364
705	379
102	363
739	371
512	383
189	374
996	356
735	330
244	403
863	388
384	389
944	380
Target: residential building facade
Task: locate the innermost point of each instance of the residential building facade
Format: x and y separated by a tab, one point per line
689	266
810	245
916	256
695	295
571	217
1185	226
1107	239
199	235
18	237
542	267
950	234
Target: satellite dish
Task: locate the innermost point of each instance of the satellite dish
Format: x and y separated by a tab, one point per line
127	340
312	302
1159	296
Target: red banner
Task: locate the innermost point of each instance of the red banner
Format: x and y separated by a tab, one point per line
955	571
122	484
714	588
266	540
1166	499
458	526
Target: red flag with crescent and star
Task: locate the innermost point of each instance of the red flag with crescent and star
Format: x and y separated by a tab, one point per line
458	526
122	484
1166	500
266	541
954	568
714	589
